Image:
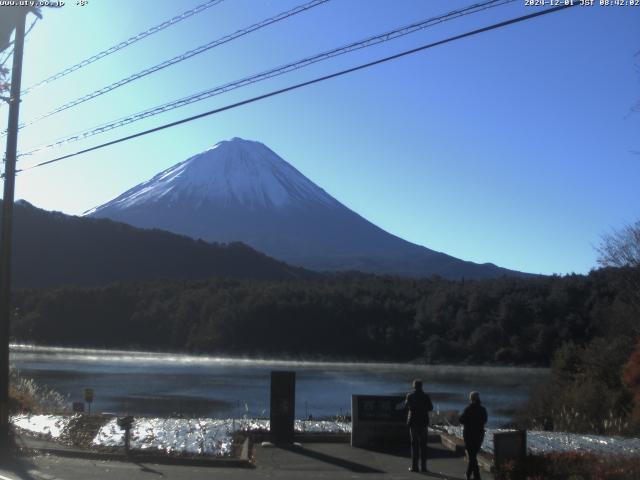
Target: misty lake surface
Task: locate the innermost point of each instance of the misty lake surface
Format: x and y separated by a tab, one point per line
157	384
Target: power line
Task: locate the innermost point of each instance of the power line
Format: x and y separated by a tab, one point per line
305	84
179	58
281	70
33	24
4	60
12	43
9	55
119	46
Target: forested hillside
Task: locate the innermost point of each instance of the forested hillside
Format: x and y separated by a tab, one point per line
508	320
52	249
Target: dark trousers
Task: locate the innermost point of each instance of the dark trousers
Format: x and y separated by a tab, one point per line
472	446
418	447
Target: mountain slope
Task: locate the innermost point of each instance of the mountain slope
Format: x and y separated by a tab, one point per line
241	190
53	249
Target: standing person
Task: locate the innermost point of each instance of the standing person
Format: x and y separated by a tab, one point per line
474	419
419	405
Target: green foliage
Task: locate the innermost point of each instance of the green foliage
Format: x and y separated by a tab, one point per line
356	316
593	385
583	323
93	252
631	380
585	393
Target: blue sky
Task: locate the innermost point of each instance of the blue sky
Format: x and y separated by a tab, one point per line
513	147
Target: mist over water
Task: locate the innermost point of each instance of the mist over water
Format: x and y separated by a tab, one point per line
156	384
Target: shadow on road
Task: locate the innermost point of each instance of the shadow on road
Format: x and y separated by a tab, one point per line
442	476
442	453
339	462
146	469
404	451
20	467
395	449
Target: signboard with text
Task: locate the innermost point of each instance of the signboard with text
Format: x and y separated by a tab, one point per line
378	420
387	408
88	395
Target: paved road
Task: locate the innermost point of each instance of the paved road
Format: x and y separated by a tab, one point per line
313	461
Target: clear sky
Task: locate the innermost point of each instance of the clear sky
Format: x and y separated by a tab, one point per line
514	147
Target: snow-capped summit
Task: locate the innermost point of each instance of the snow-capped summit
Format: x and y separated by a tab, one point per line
240	190
237	171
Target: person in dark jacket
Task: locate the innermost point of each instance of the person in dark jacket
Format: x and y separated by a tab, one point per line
419	405
473	419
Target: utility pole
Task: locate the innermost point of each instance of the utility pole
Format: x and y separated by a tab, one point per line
7	231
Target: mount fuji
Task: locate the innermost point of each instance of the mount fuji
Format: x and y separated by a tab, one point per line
240	190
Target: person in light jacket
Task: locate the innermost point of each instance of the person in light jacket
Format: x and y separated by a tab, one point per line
473	420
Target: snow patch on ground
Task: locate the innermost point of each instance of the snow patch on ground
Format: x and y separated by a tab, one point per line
183	436
197	436
300	426
49	425
539	442
209	436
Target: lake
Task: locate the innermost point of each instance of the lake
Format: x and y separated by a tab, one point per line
157	384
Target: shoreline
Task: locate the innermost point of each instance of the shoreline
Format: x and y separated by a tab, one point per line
159	357
222	437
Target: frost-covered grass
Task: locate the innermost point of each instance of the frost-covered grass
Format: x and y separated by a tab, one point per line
300	426
172	435
42	425
197	436
572	466
28	396
209	436
541	442
181	436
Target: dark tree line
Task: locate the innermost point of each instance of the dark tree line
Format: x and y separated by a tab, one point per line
97	252
595	385
353	316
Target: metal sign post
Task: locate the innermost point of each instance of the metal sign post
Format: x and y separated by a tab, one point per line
88	397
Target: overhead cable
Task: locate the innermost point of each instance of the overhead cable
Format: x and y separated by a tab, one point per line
304	84
119	46
179	58
274	72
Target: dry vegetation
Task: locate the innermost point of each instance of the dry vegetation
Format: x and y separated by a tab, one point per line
26	396
573	466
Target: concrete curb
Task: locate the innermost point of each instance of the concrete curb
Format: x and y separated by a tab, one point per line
221	462
486	463
453	443
450	442
310	437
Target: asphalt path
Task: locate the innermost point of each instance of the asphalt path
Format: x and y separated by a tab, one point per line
313	461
